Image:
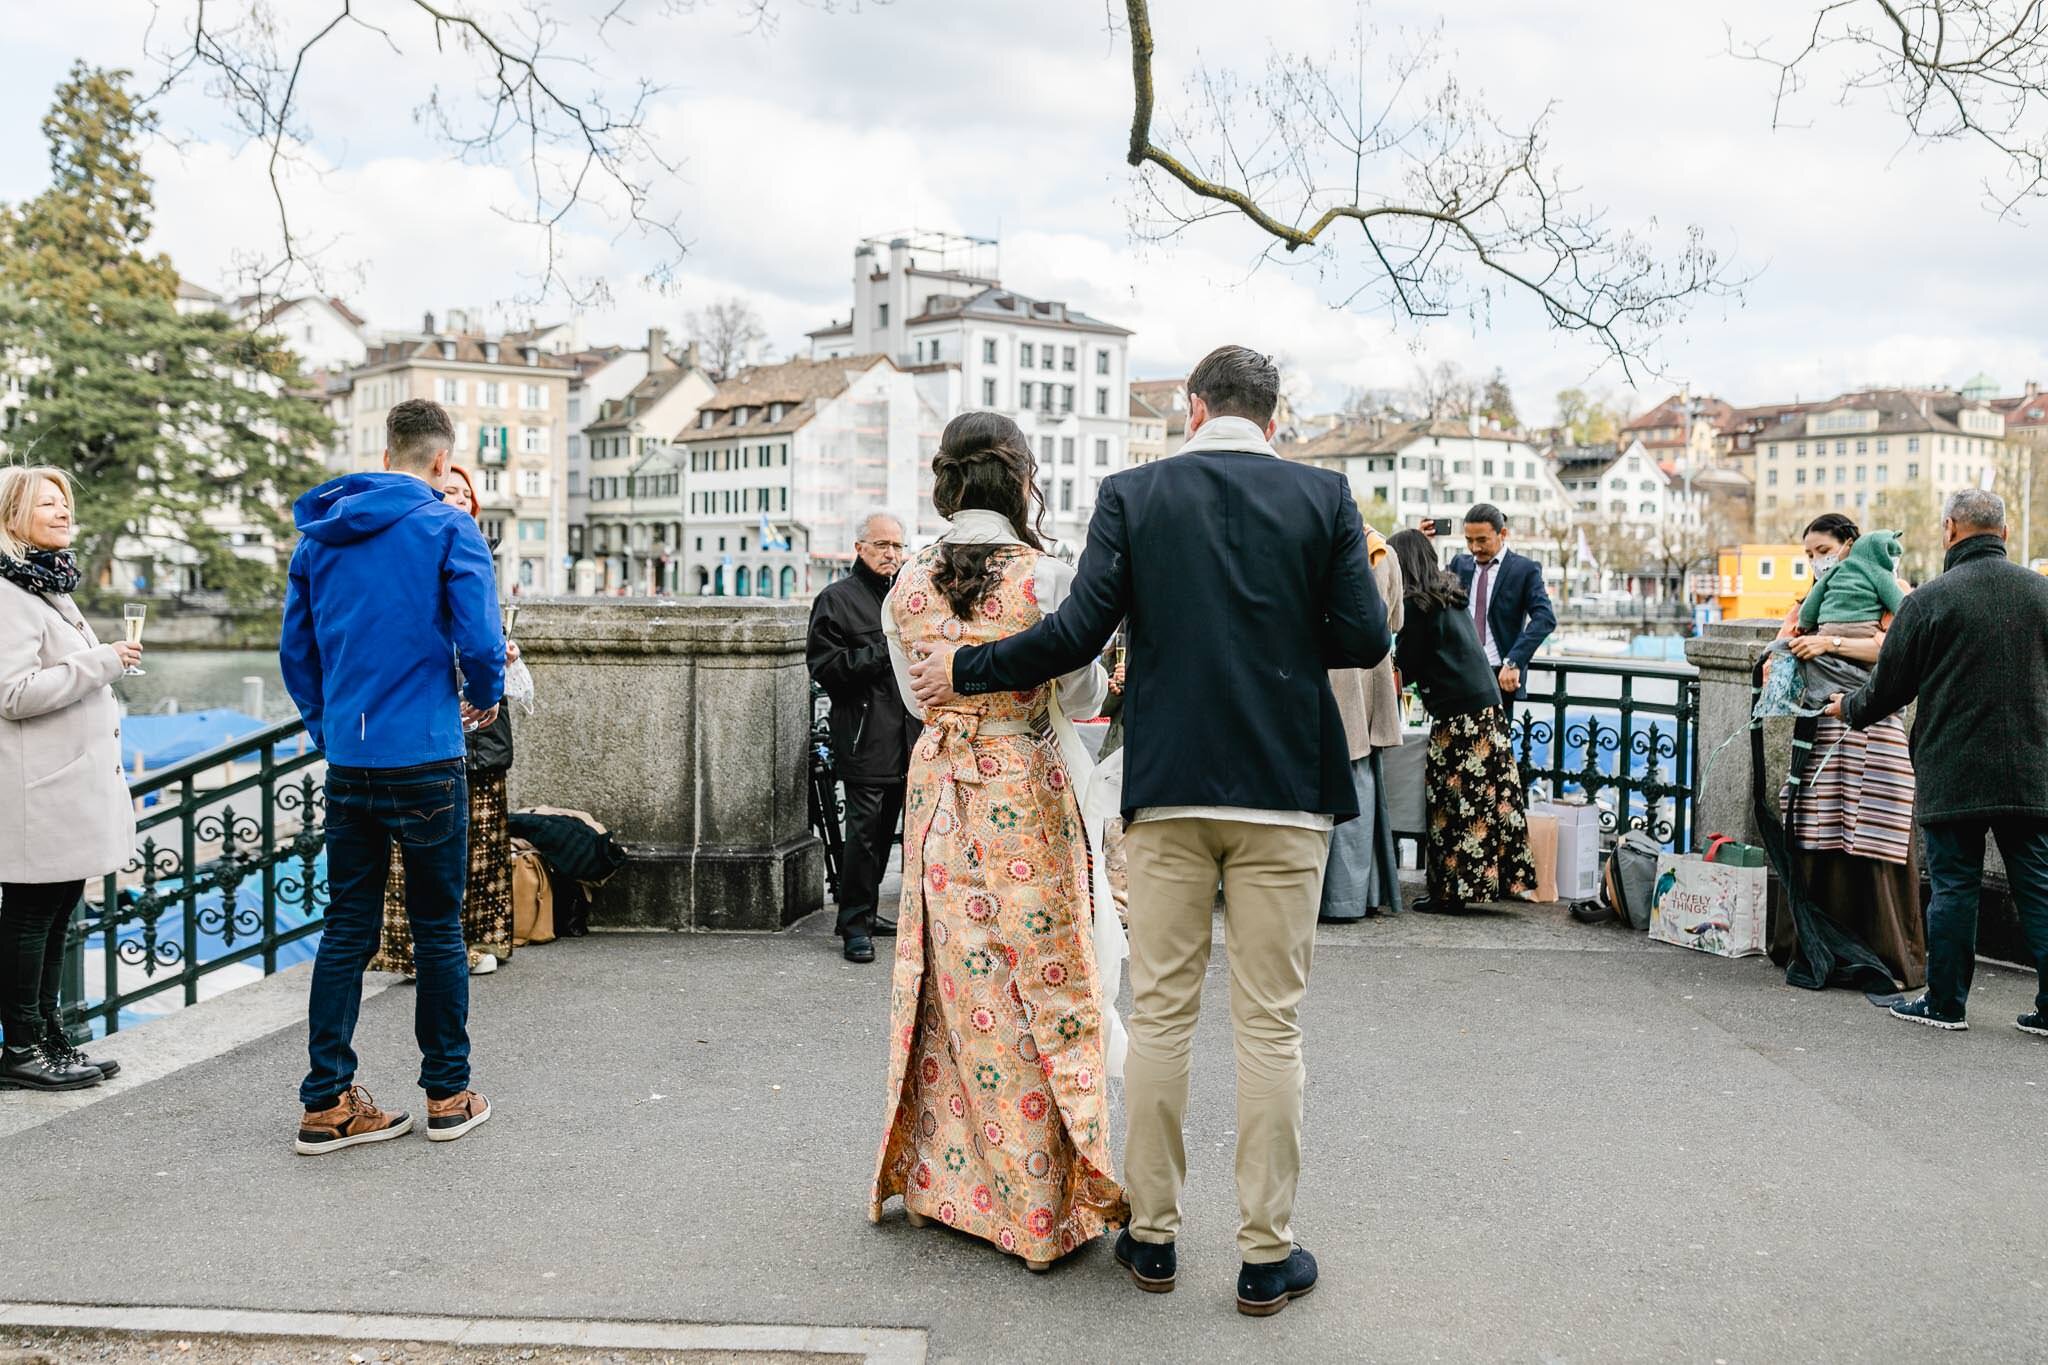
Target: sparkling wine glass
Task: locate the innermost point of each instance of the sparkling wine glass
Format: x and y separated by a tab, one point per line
132	617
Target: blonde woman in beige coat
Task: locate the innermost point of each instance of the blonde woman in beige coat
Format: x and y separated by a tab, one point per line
65	814
1361	876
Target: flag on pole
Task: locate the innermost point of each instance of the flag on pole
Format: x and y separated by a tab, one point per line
1988	478
771	537
1586	551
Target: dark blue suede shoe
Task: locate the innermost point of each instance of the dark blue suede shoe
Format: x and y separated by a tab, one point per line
1153	1265
1263	1290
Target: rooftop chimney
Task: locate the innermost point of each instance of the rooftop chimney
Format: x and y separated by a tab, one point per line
428	325
657	350
693	356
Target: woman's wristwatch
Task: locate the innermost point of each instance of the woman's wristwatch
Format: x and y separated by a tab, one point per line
1834	644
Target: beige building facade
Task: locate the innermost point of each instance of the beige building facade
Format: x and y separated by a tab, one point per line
509	405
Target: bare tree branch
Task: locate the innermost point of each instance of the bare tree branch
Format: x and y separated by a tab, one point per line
1950	70
1453	211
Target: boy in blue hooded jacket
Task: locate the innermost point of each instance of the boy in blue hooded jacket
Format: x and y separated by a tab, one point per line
390	588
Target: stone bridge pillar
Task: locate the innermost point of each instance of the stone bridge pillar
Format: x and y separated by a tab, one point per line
683	725
1725	656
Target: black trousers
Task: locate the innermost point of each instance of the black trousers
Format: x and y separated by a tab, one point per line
871	816
34	918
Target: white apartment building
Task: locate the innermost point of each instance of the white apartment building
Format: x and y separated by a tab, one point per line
929	304
603	374
1442	469
1625	486
325	333
782	462
1846	454
633	485
509	406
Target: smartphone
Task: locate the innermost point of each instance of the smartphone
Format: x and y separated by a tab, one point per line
1428	527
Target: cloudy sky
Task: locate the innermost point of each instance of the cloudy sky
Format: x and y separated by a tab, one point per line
1872	261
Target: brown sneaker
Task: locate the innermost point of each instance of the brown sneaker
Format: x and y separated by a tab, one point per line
449	1119
349	1121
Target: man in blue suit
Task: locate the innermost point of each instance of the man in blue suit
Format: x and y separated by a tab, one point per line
1505	594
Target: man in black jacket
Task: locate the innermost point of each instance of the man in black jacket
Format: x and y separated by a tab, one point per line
1243	578
1972	647
872	733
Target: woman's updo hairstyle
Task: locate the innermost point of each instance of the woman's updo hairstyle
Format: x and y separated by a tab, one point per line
984	462
1835	525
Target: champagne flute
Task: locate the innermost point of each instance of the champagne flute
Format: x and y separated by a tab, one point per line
132	617
511	618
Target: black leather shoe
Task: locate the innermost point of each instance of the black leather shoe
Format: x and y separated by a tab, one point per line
1437	907
61	1042
39	1068
1263	1290
1153	1265
882	928
859	948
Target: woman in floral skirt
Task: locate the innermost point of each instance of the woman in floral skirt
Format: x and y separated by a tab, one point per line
1478	837
1004	1038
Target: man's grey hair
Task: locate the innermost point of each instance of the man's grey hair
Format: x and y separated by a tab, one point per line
871	516
1976	508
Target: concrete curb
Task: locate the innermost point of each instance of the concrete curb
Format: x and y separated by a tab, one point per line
167	1045
877	1346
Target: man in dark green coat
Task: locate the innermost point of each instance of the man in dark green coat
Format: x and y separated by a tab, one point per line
1972	648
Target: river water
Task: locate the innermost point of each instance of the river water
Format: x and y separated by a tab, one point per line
198	679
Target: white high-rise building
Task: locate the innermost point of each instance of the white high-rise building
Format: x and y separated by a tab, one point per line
932	303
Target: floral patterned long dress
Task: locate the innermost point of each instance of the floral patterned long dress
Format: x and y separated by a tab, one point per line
998	1119
1478	846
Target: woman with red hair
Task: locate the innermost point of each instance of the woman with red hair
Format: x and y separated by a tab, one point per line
487	903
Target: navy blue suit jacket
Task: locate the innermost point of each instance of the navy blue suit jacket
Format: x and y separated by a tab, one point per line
1518	614
1244	580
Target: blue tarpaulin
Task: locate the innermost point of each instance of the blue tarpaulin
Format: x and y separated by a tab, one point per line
159	741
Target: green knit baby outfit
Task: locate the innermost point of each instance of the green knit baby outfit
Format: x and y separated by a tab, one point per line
1863	587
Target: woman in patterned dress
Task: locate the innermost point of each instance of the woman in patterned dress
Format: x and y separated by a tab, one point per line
1854	820
1004	1035
1478	836
487	896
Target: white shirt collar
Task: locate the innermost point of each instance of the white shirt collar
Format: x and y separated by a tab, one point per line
979	526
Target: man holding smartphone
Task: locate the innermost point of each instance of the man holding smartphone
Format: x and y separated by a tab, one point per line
1510	607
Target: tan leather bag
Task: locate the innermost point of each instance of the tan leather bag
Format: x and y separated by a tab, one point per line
533	897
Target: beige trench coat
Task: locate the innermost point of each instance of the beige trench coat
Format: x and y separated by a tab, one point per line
1367	697
65	813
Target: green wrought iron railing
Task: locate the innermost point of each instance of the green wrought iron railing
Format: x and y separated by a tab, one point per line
227	874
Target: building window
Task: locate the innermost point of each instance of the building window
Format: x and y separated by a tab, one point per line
1799	476
988	350
490	481
1045	357
1884	473
1066	495
1767	568
1913	447
1025	354
988	393
1863	447
534	396
1101	451
1771	477
448	390
1024	396
533	530
1102	362
1486	468
490	394
1066	398
1774	451
1066	450
1860	469
533	440
881	315
1067	359
533	483
1102	402
1045	450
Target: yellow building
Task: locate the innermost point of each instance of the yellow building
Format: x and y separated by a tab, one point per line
1760	582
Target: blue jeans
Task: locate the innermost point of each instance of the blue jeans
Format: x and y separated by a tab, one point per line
1955	867
426	809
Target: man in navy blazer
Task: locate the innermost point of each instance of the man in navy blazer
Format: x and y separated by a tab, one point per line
1243	579
1504	592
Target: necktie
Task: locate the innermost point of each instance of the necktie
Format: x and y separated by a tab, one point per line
1479	602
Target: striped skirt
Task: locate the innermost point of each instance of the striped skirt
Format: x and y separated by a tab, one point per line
1860	801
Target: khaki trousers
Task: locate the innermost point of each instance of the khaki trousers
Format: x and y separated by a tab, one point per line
1272	878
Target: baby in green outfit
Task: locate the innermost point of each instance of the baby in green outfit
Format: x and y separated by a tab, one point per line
1862	588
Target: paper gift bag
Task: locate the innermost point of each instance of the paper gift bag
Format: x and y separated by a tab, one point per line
1543	852
1713	907
1578	848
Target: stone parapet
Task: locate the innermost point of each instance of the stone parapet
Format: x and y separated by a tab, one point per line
685	727
1726	656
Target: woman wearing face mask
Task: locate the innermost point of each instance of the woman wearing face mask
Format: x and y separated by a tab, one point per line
1853	823
65	814
487	898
